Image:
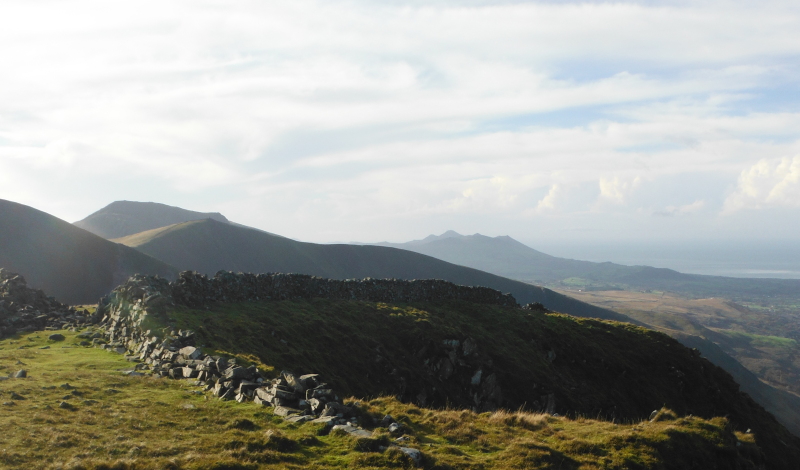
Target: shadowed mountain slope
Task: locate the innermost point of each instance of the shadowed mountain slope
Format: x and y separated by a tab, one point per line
208	246
121	218
67	262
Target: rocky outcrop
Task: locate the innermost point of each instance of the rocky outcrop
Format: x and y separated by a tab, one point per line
25	309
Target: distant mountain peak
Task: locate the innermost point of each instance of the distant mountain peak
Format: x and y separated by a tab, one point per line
447	234
123	218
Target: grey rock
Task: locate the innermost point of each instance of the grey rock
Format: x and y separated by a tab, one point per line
414	454
219	390
190	352
476	379
386	421
286	411
237	373
247	387
352	430
264	394
56	337
293	382
310	380
326	420
299	418
394	427
319	393
20	374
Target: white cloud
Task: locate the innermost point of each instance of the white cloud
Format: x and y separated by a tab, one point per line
548	202
616	189
770	182
686	209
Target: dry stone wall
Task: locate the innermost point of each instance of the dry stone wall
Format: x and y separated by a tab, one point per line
25	309
194	290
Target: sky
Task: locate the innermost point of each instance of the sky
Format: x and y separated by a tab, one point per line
390	120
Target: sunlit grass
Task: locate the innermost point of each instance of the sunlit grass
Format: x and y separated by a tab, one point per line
115	421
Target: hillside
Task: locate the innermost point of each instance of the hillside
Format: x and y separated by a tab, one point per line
121	218
437	352
112	421
67	262
754	347
207	246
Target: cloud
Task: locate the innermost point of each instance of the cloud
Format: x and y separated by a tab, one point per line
770	182
548	202
686	209
351	111
617	190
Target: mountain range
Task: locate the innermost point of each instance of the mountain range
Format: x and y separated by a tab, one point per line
509	258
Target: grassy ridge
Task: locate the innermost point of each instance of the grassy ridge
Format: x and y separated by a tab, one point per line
118	422
593	368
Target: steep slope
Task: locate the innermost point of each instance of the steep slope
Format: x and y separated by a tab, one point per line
121	218
67	262
208	246
437	352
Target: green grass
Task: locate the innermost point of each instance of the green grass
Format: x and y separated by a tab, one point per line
119	422
760	340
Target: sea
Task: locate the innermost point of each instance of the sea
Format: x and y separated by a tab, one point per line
748	259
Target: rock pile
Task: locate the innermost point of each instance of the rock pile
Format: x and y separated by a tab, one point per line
25	309
297	398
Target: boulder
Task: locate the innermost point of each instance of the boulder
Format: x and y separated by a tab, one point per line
286	411
414	454
190	352
237	373
56	337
